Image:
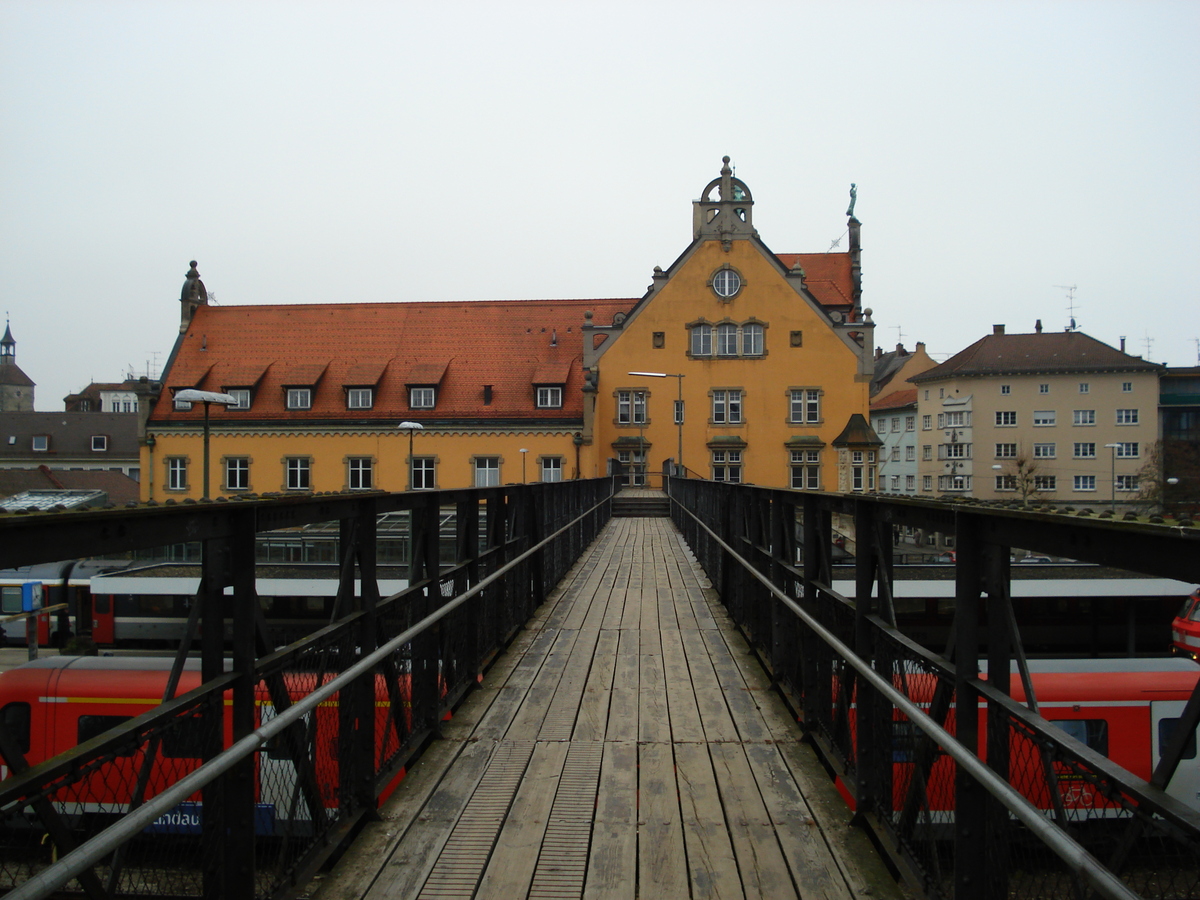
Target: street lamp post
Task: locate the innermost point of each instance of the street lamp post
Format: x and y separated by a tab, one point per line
1113	473
410	428
206	397
678	407
524	450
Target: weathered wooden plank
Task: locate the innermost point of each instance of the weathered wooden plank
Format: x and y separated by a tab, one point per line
681	694
612	860
415	854
857	860
592	722
510	869
654	720
764	871
712	866
662	863
710	699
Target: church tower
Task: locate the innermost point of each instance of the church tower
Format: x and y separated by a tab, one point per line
16	388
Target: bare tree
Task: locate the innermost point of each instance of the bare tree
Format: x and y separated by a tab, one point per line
1022	472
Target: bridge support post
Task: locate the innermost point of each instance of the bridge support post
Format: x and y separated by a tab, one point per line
971	871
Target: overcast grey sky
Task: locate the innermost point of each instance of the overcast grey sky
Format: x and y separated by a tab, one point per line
357	151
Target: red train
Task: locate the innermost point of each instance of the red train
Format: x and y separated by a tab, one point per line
1185	630
1125	709
52	704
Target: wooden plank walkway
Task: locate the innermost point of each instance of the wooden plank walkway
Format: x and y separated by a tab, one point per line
627	745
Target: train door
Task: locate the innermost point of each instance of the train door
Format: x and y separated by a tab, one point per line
279	786
104	630
1185	784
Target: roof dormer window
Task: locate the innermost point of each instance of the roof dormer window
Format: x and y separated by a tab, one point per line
550	397
99	442
422	397
40	443
360	398
299	398
241	395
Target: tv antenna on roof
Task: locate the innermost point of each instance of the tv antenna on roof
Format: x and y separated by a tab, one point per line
899	333
1070	289
1147	340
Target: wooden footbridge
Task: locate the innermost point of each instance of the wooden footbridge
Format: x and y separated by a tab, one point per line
586	701
627	745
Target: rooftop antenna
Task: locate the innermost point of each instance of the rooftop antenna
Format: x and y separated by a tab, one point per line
899	333
1147	340
837	241
1070	289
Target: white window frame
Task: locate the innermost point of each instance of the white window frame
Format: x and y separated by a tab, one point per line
241	395
1006	418
298	473
1006	450
1047	483
299	398
360	398
552	469
1128	450
1045	451
727	339
237	473
99	443
753	339
550	397
1127	483
805	470
701	342
926	422
177	473
422	397
1083	417
360	473
487	471
726	407
1006	482
1045	418
423	471
727	466
805	406
1084	450
1127	417
1083	483
1084	387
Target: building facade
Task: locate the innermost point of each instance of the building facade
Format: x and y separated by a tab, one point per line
1054	417
737	364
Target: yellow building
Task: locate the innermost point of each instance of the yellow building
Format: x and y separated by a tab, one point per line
760	366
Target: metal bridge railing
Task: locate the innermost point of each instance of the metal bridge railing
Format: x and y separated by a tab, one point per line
197	798
1000	804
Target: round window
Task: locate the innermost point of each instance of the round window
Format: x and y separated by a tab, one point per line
727	283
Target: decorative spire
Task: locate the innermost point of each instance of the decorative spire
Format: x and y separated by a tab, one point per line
8	346
192	295
724	210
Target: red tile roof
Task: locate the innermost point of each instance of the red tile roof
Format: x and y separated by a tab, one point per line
896	400
826	275
461	347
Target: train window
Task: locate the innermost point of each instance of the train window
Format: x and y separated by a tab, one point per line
1166	728
185	739
1194	616
10	599
100	604
1092	732
15	720
91	726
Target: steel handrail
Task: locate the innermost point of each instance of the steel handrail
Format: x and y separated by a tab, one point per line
92	851
1068	850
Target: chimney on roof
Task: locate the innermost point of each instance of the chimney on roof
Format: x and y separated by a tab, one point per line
1037	326
1122	343
920	346
997	329
879	353
900	350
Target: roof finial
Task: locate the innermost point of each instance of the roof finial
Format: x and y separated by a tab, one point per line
853	199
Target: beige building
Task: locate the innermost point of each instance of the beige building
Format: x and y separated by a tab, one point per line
1054	417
